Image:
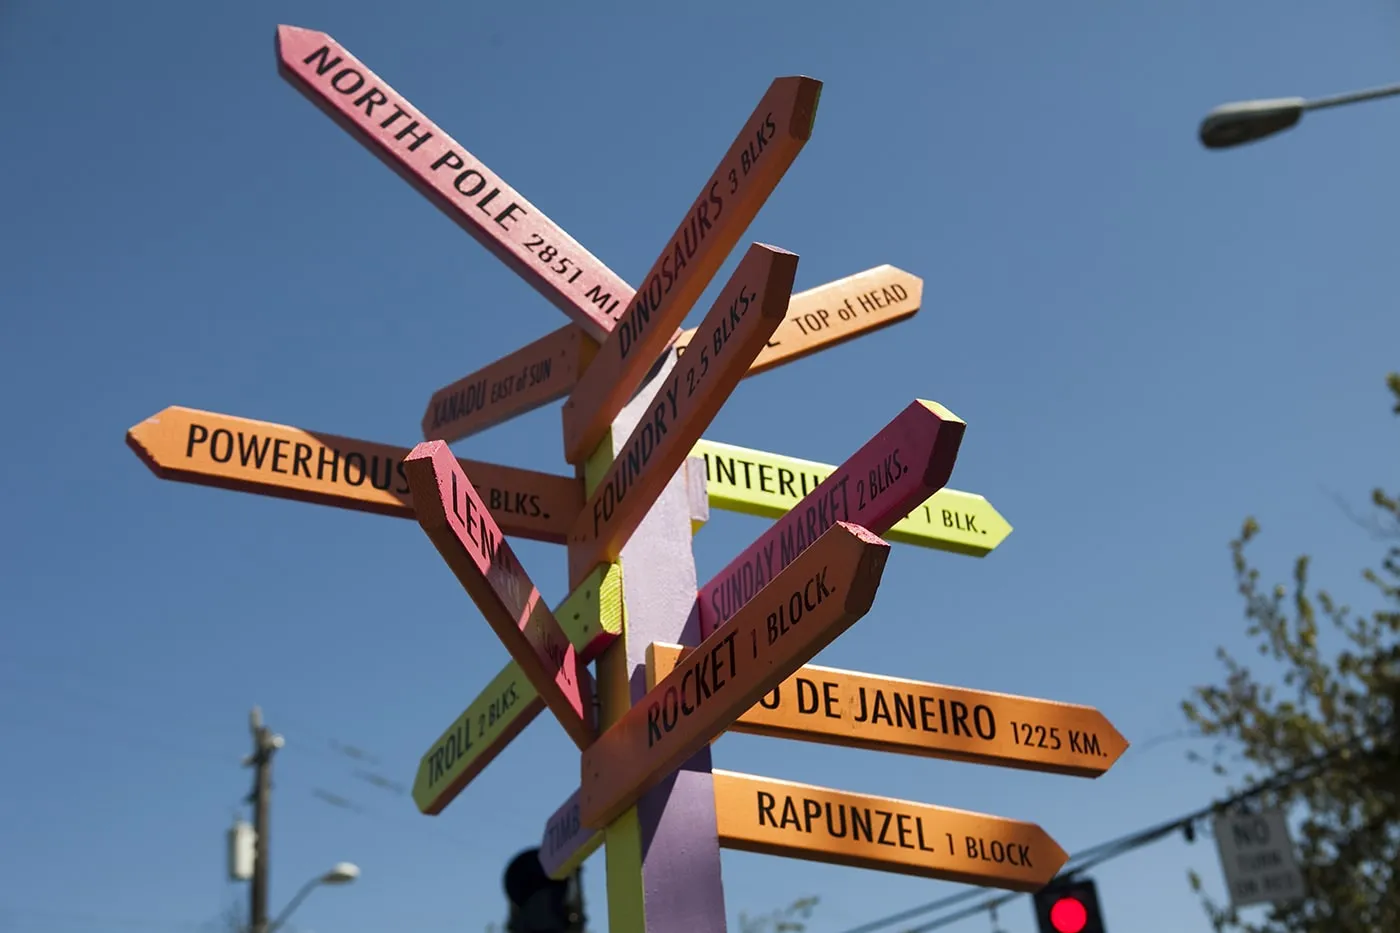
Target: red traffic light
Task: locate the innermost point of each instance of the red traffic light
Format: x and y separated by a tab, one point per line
1067	915
1069	906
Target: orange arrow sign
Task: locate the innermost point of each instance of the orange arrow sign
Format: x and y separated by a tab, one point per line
733	333
757	160
831	314
811	602
462	530
546	370
841	828
890	714
464	189
210	449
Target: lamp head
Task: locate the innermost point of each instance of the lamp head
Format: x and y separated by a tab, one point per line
1244	122
341	873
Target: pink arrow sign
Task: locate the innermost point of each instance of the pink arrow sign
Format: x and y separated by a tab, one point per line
908	461
464	189
466	536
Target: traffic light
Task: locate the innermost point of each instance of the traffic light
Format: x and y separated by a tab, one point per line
539	903
1069	907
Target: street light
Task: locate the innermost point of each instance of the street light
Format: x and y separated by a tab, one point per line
341	873
1244	122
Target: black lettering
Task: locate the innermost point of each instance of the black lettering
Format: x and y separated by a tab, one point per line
766	802
301	460
278	454
198	435
214	445
653	724
371	99
358	78
325	64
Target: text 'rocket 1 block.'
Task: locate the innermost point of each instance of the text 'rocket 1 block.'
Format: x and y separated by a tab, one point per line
811	602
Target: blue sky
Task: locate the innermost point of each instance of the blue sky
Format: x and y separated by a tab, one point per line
1148	341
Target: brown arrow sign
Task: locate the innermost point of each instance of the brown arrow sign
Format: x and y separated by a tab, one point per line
890	714
211	449
841	828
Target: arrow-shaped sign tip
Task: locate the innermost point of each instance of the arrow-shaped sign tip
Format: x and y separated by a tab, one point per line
139	439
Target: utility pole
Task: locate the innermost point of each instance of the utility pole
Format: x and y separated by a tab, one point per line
265	743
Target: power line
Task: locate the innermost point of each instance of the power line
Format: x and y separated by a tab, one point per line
1104	851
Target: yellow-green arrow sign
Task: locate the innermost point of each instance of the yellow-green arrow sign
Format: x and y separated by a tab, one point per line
756	482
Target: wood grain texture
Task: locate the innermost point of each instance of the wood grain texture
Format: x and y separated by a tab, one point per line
490	723
910	717
772	137
591	618
228	452
832	314
756	482
883	834
663	857
469	193
879	484
534	375
685	401
547	369
455	520
808	604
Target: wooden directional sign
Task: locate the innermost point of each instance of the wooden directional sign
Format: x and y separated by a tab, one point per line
566	842
504	708
211	449
464	189
756	482
742	319
769	142
547	369
812	601
898	468
456	521
841	828
836	312
890	714
591	617
523	381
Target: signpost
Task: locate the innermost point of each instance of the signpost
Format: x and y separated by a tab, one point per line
726	655
810	602
530	377
1256	855
546	370
470	194
822	825
211	449
890	714
591	618
770	485
456	521
504	708
780	126
738	325
903	465
831	314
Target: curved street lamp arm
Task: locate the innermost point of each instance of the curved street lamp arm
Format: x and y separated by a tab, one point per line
292	905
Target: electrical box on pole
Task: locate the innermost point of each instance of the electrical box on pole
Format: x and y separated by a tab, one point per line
241	842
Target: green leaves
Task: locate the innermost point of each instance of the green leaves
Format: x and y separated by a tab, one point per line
1311	701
